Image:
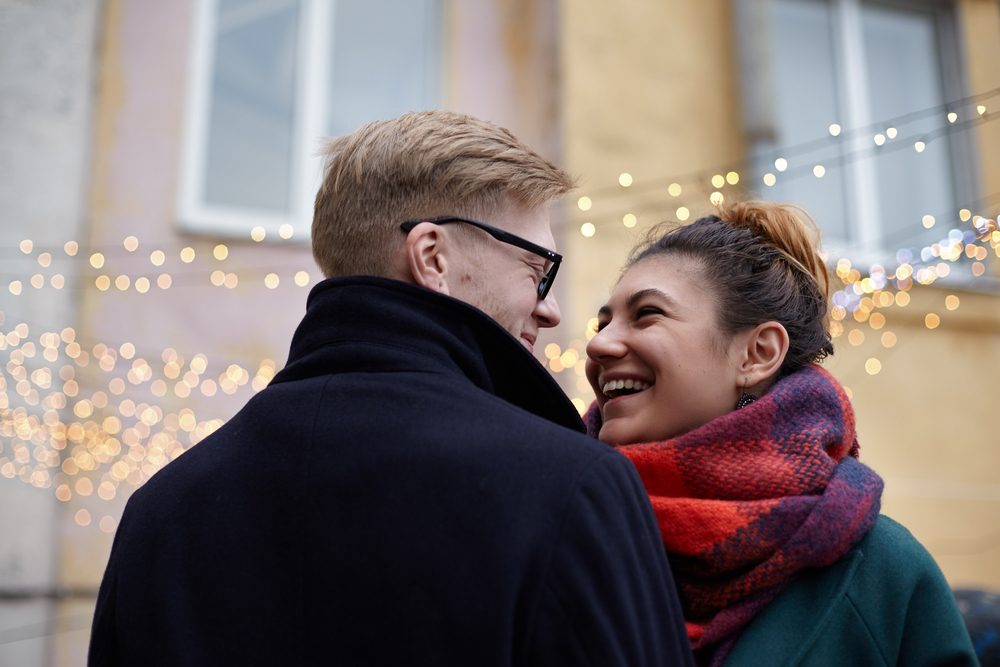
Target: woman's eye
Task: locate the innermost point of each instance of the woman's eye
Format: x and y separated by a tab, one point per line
646	311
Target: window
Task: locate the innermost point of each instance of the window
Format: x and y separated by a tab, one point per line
830	91
270	78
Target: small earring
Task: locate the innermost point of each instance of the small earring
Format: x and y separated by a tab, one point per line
745	400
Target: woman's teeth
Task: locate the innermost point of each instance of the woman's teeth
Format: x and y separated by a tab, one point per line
622	387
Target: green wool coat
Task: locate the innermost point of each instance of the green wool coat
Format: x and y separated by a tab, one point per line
884	603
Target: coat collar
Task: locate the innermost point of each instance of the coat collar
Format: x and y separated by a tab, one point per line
372	323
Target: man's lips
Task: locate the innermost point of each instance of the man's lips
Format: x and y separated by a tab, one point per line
528	340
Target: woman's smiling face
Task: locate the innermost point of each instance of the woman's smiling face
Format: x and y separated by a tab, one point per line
659	364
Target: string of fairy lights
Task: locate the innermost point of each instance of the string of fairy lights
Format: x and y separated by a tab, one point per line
119	431
86	419
860	297
793	161
861	302
151	277
95	419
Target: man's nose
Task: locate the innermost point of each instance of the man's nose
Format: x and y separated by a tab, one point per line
546	311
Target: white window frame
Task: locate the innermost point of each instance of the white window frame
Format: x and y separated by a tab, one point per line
863	203
312	73
865	199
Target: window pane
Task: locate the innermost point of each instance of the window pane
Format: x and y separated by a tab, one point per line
251	120
803	69
903	76
386	59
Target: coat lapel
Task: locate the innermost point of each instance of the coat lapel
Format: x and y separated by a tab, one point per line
786	629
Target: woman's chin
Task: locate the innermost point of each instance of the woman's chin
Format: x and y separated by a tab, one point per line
618	432
615	434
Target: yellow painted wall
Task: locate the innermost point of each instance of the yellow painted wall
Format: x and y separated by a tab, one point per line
979	22
927	423
649	89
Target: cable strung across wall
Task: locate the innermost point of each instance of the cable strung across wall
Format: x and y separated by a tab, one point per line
702	175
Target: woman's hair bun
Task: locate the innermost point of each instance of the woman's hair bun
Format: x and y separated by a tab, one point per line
788	228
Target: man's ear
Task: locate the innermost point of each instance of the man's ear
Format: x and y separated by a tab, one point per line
764	351
426	256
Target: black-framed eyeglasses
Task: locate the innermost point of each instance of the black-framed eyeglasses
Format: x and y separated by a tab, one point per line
544	285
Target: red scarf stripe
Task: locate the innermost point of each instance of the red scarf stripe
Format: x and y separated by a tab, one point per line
768	472
692	525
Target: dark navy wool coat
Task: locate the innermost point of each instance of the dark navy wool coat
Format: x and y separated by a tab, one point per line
412	489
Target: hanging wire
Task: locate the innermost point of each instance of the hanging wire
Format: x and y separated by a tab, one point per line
701	174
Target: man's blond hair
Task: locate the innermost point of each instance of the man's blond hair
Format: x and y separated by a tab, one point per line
419	165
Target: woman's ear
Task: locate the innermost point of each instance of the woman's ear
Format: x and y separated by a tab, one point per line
765	351
426	256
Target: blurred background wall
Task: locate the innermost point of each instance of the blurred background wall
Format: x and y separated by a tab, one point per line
159	161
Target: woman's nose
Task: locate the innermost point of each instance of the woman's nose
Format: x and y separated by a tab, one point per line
606	344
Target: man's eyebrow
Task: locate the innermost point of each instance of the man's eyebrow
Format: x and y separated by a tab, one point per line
534	260
604	311
653	292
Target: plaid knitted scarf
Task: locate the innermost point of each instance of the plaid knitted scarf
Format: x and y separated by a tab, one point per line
748	500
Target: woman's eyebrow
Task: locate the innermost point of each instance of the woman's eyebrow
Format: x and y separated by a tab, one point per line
605	310
653	292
